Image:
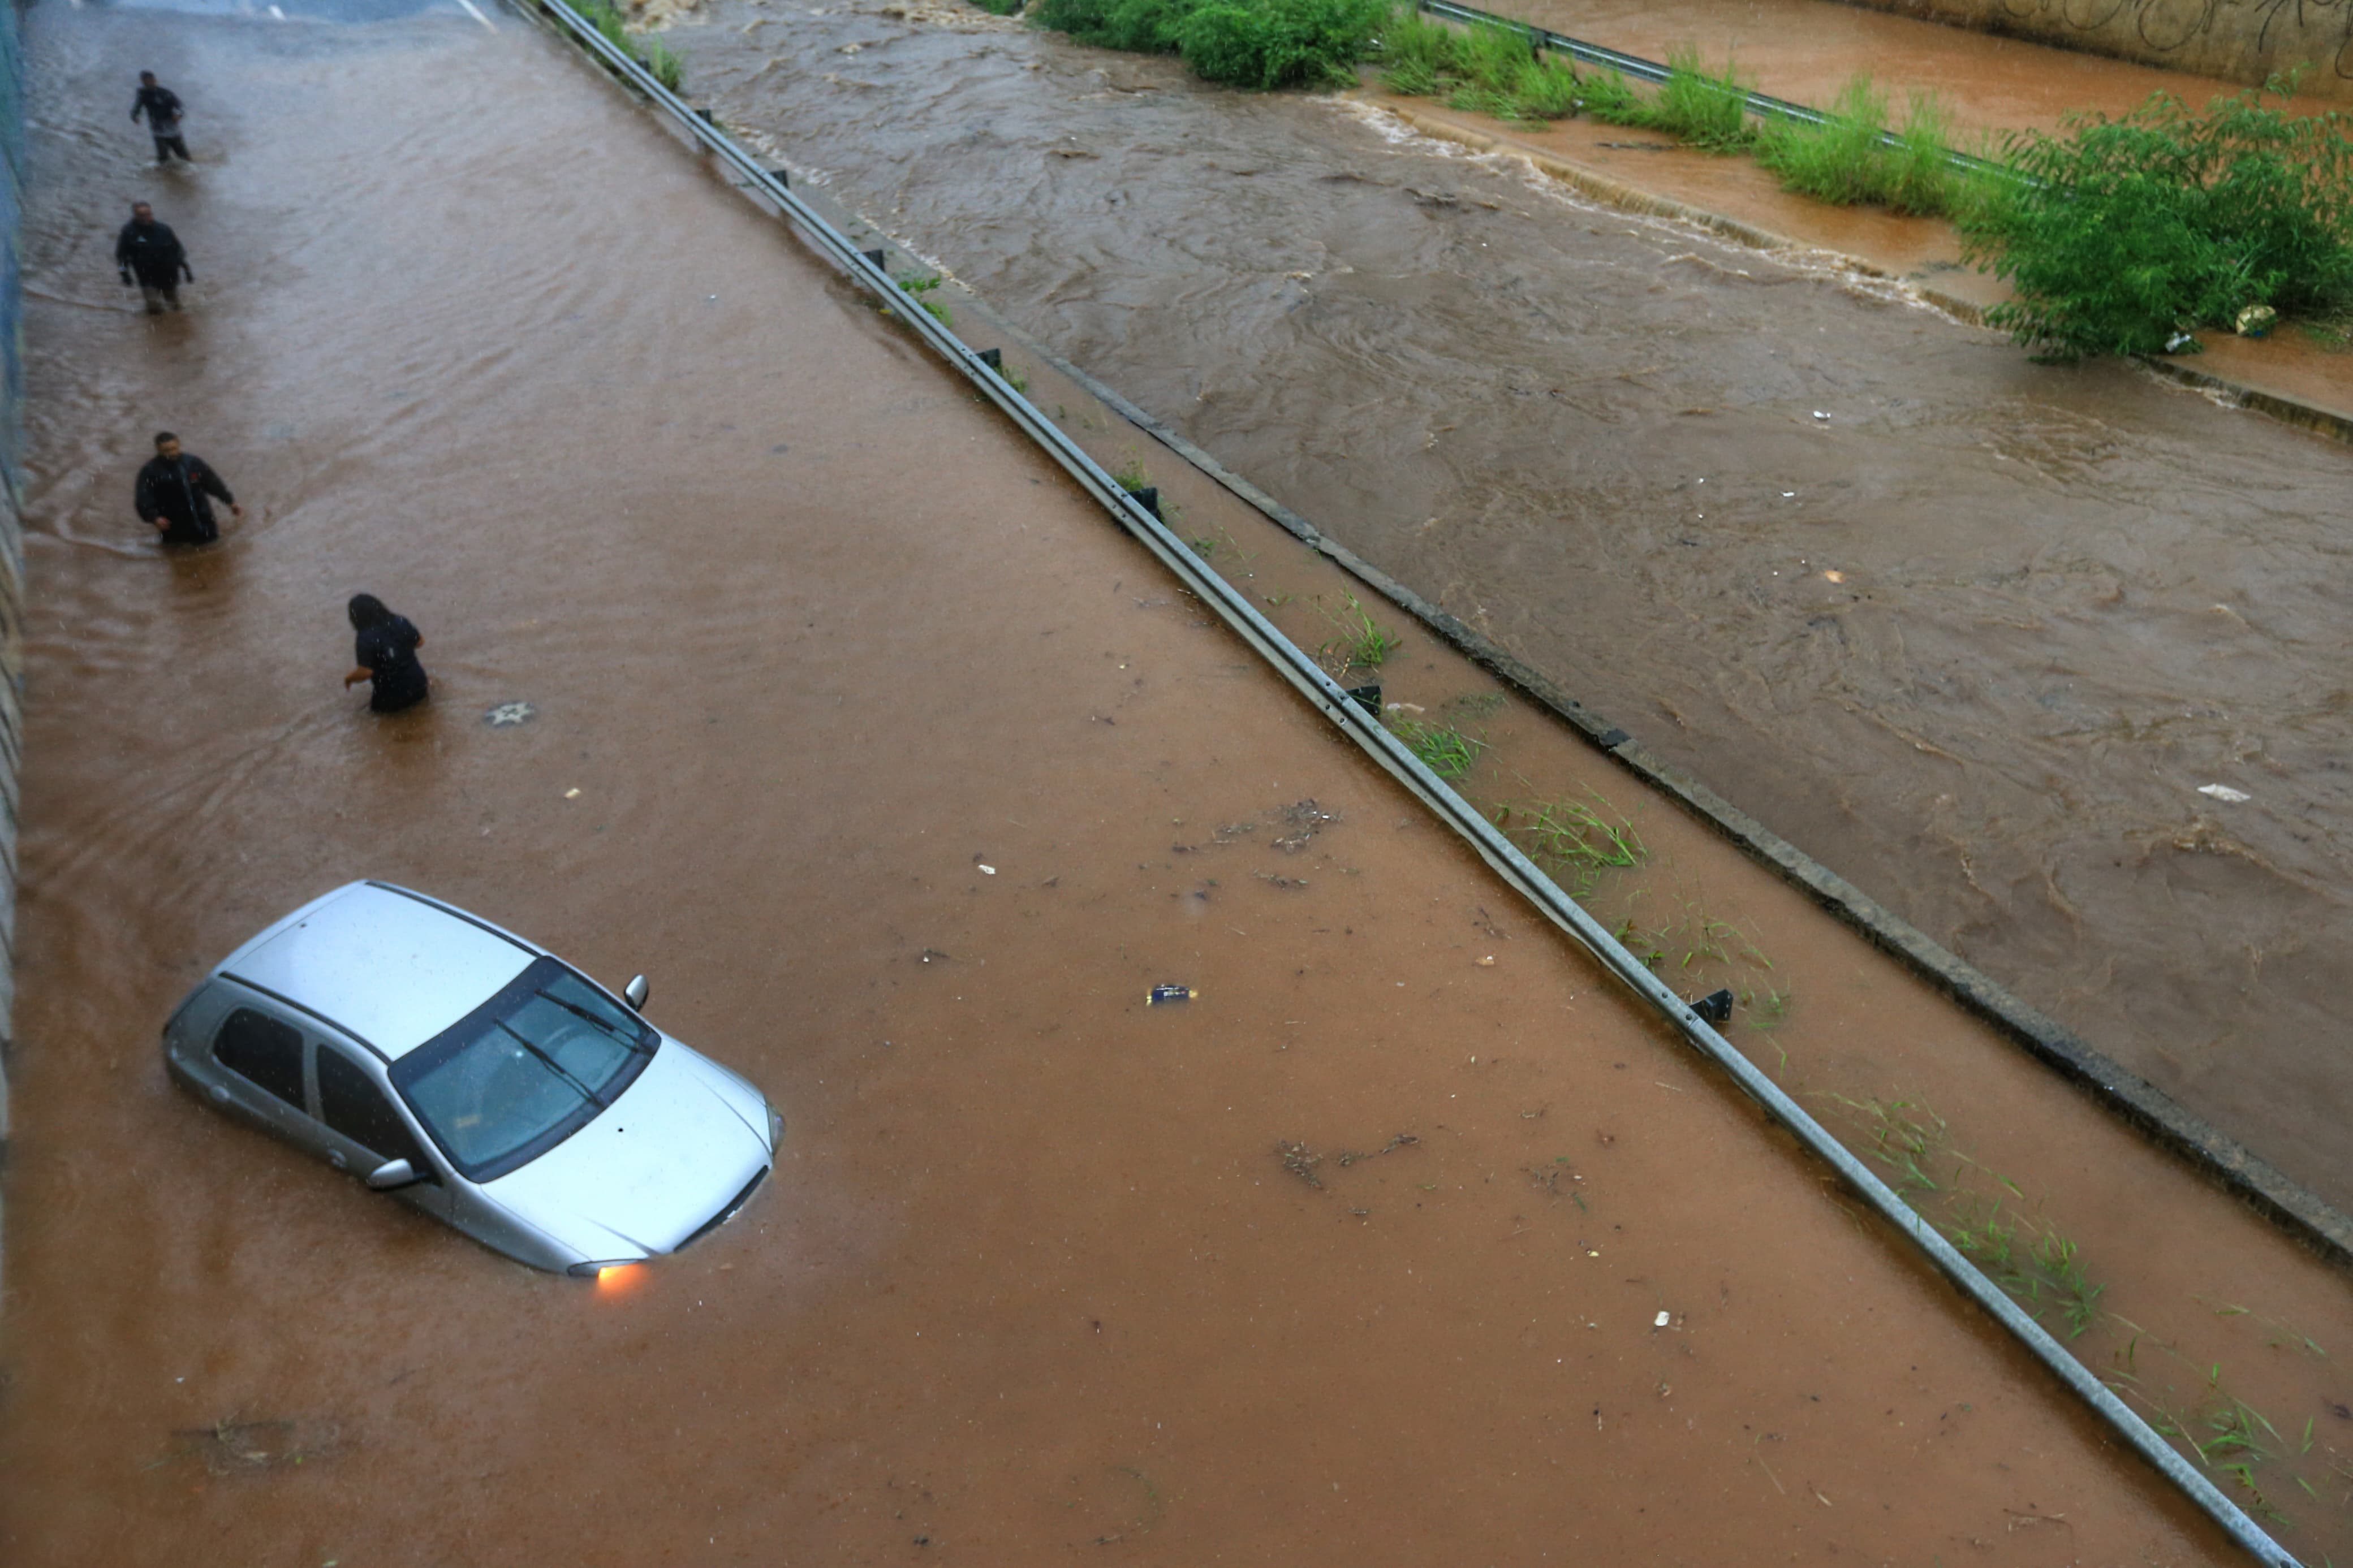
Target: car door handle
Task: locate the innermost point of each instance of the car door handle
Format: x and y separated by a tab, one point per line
220	1094
336	1158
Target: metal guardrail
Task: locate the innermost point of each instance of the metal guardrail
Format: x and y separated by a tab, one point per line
1764	106
1295	666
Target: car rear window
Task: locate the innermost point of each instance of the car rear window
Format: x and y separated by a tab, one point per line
263	1051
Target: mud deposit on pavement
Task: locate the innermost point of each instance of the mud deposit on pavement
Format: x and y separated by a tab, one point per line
808	641
1976	637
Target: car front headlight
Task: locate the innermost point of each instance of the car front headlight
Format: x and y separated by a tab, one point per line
776	1129
598	1270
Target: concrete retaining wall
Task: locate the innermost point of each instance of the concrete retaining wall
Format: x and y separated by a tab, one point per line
2238	40
12	532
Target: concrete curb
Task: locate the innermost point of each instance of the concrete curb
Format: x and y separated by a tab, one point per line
1616	192
2255	1181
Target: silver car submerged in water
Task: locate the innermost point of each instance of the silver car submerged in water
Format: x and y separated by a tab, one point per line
479	1078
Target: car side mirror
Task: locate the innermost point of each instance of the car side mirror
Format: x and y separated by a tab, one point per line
636	992
393	1174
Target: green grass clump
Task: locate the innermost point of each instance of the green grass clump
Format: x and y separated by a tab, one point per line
1255	44
1574	840
1444	749
1488	68
1848	160
1000	7
2121	232
1363	643
651	53
1704	110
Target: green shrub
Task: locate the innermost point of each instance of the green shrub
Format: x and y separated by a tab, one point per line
1268	44
1261	44
1000	7
2120	232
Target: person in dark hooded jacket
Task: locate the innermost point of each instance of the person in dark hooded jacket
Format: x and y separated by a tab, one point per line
175	492
150	253
385	645
161	105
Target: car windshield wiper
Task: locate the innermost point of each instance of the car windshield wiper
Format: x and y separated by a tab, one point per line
636	1041
590	1095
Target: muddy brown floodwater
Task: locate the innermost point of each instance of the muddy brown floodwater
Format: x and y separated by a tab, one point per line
905	775
1975	633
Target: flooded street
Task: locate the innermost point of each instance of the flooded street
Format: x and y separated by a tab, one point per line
905	776
1975	633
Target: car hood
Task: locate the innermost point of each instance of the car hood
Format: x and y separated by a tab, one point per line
660	1161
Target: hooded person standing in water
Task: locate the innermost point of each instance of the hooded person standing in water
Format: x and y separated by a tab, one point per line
174	494
386	654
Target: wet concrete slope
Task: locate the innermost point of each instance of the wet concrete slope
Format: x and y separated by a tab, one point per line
876	746
1976	637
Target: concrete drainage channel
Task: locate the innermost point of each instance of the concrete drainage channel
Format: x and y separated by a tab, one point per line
1366	730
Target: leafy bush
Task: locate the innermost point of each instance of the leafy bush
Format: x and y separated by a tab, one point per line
1261	44
1269	44
1000	7
2120	232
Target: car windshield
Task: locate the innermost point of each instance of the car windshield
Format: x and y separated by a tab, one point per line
523	1071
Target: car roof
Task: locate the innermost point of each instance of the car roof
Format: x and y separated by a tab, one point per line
387	966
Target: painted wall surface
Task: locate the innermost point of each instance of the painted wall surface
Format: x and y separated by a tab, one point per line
12	533
2238	40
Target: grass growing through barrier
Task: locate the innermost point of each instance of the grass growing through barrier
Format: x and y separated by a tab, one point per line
2034	1263
1496	68
921	289
1848	160
651	53
1574	840
1363	643
1444	749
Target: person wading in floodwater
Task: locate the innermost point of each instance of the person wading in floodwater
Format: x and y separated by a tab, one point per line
175	491
161	107
150	254
386	651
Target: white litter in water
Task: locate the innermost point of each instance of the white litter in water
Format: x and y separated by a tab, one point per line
1787	494
988	870
1659	1322
1820	414
2224	792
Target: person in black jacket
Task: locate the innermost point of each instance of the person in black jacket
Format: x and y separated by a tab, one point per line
386	648
174	494
149	253
161	107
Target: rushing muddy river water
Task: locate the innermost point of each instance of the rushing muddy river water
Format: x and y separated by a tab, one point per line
1978	633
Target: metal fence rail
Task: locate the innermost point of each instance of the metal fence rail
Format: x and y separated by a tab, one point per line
1764	106
1294	666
